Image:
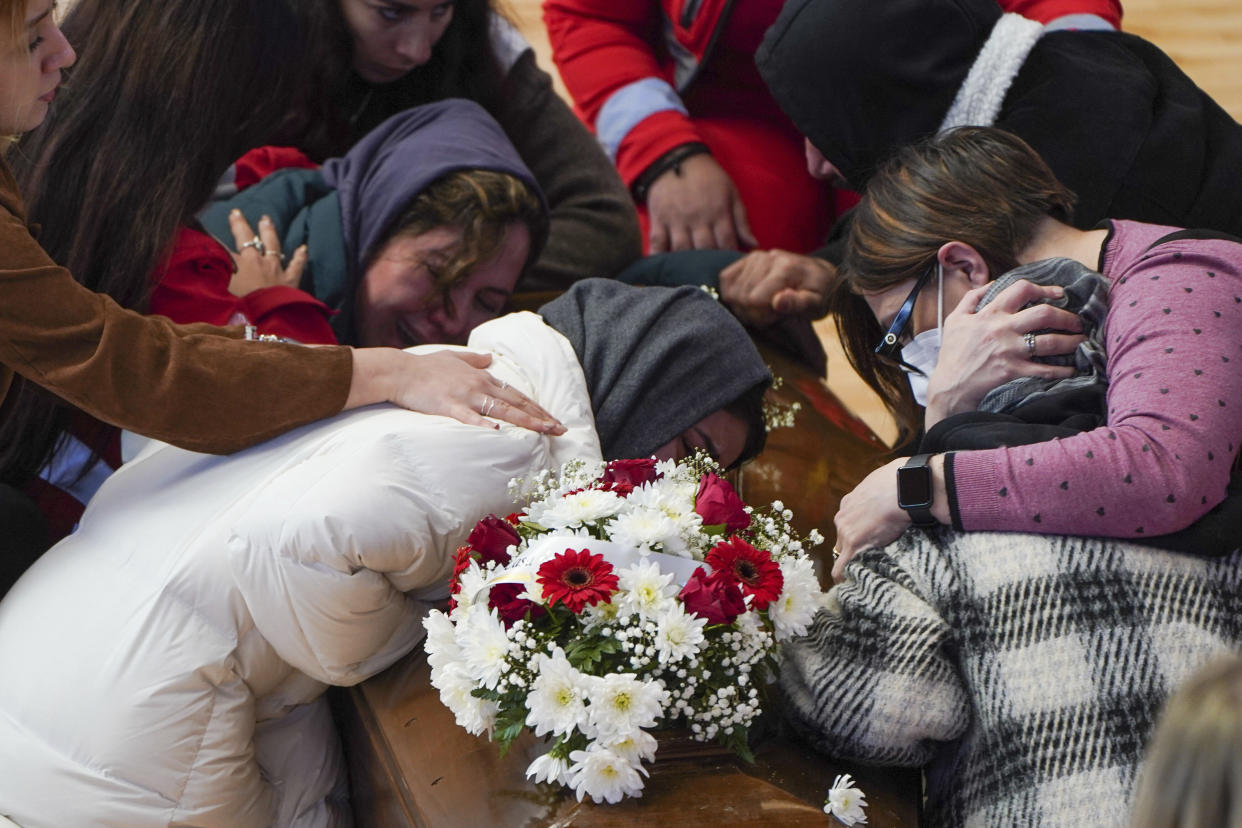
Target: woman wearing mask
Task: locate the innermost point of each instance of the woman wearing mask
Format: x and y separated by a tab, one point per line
960	211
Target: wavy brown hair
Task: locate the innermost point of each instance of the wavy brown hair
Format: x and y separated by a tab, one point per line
165	94
978	185
480	203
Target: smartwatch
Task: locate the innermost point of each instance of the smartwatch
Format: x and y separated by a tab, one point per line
914	490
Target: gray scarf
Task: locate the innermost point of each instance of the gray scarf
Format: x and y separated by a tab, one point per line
1086	294
657	360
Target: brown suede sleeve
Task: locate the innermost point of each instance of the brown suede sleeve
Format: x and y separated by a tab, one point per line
594	227
197	387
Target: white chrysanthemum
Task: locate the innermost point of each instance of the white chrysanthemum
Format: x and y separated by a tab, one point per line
473	583
586	506
799	600
557	696
674	498
678	634
549	768
441	644
638	746
846	802
621	703
643	528
604	775
455	684
644	590
485	645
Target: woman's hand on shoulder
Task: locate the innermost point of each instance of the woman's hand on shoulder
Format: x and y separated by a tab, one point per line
258	262
450	383
982	350
695	206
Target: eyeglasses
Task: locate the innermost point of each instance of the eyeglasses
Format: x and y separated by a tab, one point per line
889	349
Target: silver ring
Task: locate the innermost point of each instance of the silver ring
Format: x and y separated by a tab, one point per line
1029	339
488	405
503	385
256	243
275	253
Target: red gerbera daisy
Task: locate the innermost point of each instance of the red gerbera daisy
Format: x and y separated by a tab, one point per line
753	569
577	579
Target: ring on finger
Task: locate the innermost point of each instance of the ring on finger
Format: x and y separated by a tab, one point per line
488	405
256	243
275	253
1029	339
503	385
836	553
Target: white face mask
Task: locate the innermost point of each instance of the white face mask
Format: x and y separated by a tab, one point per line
924	349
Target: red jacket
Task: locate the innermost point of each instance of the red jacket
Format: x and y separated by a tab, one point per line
626	63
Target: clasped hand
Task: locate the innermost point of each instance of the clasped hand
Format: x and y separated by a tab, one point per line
765	285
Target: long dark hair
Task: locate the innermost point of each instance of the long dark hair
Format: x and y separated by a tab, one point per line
335	107
979	185
164	96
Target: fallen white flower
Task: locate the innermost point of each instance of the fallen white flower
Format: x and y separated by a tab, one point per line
846	802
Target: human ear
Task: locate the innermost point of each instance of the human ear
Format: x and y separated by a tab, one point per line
960	260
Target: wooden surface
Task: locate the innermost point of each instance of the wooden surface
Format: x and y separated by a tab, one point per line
411	765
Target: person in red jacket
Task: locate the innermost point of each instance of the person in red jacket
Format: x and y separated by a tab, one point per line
672	92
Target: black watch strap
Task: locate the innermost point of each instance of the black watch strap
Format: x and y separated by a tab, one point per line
915	490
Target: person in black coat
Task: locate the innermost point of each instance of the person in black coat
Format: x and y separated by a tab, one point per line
1117	121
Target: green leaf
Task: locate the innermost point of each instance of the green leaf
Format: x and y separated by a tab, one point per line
583	653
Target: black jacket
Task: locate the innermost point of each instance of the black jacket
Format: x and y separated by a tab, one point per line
1113	116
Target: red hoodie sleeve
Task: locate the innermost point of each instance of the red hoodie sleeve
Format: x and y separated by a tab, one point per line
1045	11
606	47
193	286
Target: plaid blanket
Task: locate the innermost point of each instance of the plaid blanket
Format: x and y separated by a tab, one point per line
1024	672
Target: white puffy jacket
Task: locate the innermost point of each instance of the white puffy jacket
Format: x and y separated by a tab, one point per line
164	665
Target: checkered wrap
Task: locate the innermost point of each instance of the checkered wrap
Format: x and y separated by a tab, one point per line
1026	672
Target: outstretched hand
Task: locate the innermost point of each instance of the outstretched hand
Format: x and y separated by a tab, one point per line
695	206
982	350
450	383
765	285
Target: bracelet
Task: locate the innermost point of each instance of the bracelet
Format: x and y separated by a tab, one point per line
670	160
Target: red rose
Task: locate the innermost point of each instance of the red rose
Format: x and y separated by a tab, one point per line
719	505
504	599
714	597
751	569
491	537
631	473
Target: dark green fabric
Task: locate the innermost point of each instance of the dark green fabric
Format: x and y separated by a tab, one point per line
306	211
